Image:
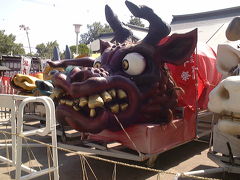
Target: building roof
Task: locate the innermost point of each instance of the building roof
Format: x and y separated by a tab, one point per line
138	33
4	68
139	28
216	14
17	58
211	25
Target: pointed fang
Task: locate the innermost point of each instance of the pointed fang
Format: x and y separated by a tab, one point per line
106	96
121	94
95	101
115	108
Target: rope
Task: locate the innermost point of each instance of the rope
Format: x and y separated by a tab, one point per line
49	162
215	33
7	153
110	161
90	168
84	171
114	175
139	153
29	155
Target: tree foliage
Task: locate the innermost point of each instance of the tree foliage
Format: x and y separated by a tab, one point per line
82	49
135	21
8	45
46	50
94	30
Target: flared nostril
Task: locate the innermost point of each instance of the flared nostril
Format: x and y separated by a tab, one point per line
102	70
102	74
96	71
77	77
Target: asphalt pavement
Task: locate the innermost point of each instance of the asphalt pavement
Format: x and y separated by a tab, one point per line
188	157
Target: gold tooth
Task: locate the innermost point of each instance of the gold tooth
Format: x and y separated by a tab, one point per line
92	112
106	96
115	108
76	108
69	102
95	101
123	106
121	94
112	92
83	101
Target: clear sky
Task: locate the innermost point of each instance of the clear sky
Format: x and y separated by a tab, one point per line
51	20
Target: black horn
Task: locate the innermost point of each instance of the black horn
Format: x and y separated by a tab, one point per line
158	29
120	33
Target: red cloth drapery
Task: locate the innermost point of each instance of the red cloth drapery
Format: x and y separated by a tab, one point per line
197	77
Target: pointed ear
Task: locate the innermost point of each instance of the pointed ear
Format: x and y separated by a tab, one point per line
104	45
178	48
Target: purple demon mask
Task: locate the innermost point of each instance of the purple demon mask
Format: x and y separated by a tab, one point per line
128	83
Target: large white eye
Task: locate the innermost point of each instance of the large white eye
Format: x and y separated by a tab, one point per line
97	63
133	63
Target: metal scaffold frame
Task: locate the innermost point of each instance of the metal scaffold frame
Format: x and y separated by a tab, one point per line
16	105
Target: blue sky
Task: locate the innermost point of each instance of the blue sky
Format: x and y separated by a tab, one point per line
51	20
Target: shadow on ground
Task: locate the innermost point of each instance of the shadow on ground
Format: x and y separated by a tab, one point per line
70	166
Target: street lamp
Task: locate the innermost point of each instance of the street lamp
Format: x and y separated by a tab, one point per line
77	31
26	28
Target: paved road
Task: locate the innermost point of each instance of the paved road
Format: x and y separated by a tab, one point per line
188	157
191	156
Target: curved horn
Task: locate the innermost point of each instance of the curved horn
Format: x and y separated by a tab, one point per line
158	29
121	34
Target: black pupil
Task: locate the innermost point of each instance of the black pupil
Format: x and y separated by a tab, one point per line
125	64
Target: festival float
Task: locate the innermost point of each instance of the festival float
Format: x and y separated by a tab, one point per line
148	96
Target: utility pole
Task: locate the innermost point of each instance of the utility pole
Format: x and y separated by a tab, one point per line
77	31
26	28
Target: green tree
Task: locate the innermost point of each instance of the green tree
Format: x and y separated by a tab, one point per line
46	50
82	49
94	30
135	21
8	45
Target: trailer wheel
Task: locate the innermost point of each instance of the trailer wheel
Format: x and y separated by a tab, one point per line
151	162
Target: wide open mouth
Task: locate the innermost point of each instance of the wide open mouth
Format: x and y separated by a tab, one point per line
114	100
90	105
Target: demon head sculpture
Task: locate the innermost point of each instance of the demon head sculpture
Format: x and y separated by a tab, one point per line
128	83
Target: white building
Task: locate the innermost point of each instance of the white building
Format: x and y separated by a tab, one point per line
211	27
